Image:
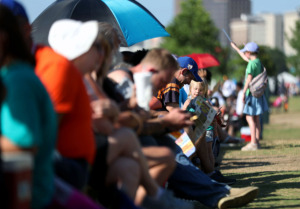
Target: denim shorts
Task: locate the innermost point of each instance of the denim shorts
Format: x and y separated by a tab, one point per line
255	106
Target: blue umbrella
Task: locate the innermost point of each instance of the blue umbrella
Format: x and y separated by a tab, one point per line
133	21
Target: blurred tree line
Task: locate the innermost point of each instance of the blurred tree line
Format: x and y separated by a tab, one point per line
294	41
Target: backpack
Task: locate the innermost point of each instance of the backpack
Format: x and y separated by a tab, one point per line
258	84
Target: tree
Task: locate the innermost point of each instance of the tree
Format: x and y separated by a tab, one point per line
294	41
192	31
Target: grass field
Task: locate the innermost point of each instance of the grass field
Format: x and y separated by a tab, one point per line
275	169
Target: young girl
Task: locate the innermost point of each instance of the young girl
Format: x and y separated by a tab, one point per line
254	107
204	143
196	89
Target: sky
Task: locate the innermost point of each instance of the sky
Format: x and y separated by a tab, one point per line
163	10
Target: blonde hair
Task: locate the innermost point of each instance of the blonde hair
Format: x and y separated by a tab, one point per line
107	51
162	59
110	33
202	83
107	36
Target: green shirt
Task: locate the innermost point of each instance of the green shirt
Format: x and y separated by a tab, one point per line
254	68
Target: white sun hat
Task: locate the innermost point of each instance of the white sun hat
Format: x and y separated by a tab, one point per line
72	38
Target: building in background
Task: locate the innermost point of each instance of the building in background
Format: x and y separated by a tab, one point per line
265	29
242	29
221	12
274	35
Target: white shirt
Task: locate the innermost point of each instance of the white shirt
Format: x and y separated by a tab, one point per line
220	98
228	88
239	103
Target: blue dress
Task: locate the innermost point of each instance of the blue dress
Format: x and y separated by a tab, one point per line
253	105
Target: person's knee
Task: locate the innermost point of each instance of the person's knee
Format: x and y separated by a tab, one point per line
128	164
124	168
125	136
169	157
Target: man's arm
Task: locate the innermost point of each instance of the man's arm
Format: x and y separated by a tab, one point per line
175	120
155	114
171	105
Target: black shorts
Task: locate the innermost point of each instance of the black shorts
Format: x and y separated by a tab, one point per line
99	169
162	140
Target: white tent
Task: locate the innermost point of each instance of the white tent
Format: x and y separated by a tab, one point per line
287	78
284	76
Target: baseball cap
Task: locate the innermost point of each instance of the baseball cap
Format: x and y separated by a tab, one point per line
15	7
72	38
250	47
191	65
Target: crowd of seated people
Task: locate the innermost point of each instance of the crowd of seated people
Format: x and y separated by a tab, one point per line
75	111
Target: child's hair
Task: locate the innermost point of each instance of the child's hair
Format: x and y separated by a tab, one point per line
254	53
203	83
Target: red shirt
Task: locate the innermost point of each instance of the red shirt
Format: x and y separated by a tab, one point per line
65	86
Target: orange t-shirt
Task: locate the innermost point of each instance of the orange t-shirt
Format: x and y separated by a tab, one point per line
65	86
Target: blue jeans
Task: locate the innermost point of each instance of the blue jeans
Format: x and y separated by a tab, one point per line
72	171
187	181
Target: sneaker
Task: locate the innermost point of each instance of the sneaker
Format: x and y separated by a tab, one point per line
233	140
238	197
218	177
230	141
167	201
250	147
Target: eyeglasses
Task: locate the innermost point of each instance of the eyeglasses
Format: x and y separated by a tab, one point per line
98	46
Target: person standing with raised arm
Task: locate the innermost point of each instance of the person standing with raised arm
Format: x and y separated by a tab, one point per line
254	107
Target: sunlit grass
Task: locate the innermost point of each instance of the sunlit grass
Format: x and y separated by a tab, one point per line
275	169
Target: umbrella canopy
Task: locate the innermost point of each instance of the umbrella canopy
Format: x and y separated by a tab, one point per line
133	21
204	60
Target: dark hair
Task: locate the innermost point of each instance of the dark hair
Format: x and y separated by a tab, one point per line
127	55
254	53
208	76
240	84
138	56
14	45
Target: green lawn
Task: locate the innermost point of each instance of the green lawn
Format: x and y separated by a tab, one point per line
275	169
